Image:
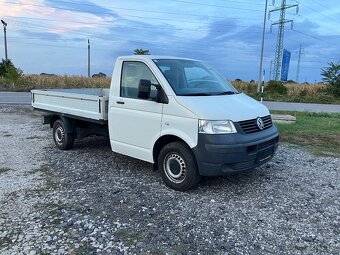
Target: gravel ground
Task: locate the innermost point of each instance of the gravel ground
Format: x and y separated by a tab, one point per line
90	200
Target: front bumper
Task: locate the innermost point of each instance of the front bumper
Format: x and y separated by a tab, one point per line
231	153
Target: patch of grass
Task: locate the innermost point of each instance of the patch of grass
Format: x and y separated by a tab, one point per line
49	178
179	248
56	210
157	252
4	169
41	169
83	249
318	132
34	137
12	196
128	237
4	241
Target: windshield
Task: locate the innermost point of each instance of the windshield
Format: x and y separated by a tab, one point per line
193	78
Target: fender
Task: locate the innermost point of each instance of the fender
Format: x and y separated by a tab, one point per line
69	124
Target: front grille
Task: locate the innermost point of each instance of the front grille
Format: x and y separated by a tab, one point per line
250	126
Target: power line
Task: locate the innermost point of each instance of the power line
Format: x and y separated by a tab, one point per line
214	5
127	15
308	35
319	13
98	12
153	11
178	49
323	6
107	23
189	46
310	21
45	26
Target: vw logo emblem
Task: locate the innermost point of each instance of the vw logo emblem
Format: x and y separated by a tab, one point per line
260	123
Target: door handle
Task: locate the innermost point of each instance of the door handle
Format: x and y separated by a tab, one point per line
120	102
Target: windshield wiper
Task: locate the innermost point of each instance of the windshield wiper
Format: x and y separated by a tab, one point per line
227	93
197	94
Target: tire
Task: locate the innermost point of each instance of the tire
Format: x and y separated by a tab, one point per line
178	167
62	139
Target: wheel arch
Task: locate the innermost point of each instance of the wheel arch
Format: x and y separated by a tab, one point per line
68	123
161	142
53	118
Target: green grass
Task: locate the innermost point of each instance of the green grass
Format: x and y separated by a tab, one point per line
318	132
42	169
4	241
128	237
34	137
4	170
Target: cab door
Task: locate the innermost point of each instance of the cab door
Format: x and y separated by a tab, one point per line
135	123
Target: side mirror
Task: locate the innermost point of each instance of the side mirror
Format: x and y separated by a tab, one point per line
161	96
144	88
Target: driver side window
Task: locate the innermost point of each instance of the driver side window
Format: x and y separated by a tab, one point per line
132	73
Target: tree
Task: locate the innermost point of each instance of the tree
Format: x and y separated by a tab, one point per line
9	71
331	76
99	75
141	52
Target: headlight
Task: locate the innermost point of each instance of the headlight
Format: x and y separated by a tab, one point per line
216	127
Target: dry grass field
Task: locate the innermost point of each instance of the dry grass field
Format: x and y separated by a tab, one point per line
311	93
28	82
296	92
294	89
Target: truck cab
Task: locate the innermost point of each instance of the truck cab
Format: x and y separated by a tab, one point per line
179	114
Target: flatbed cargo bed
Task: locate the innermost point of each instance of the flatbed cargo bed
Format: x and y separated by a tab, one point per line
89	103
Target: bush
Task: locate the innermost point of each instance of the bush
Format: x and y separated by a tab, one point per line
99	75
291	81
276	87
331	76
9	71
245	87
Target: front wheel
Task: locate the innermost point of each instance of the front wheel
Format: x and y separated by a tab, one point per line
62	139
178	166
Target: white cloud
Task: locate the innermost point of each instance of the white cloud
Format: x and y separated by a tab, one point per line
56	20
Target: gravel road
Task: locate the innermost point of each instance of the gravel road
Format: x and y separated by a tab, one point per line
90	200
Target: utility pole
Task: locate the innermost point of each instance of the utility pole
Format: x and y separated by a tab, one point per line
88	59
5	38
280	35
299	61
262	46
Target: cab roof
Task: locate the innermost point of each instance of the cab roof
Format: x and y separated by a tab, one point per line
151	57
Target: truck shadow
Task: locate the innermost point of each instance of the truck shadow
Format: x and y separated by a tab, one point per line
99	148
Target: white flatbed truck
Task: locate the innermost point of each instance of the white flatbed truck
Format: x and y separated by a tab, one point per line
179	114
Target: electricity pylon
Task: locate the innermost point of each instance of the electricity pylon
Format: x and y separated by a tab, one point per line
301	51
280	35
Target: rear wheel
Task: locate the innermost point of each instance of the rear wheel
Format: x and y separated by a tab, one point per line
178	166
62	139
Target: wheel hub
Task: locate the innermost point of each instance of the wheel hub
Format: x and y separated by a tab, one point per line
59	135
175	168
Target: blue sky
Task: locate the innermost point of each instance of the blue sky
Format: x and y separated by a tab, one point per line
51	36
